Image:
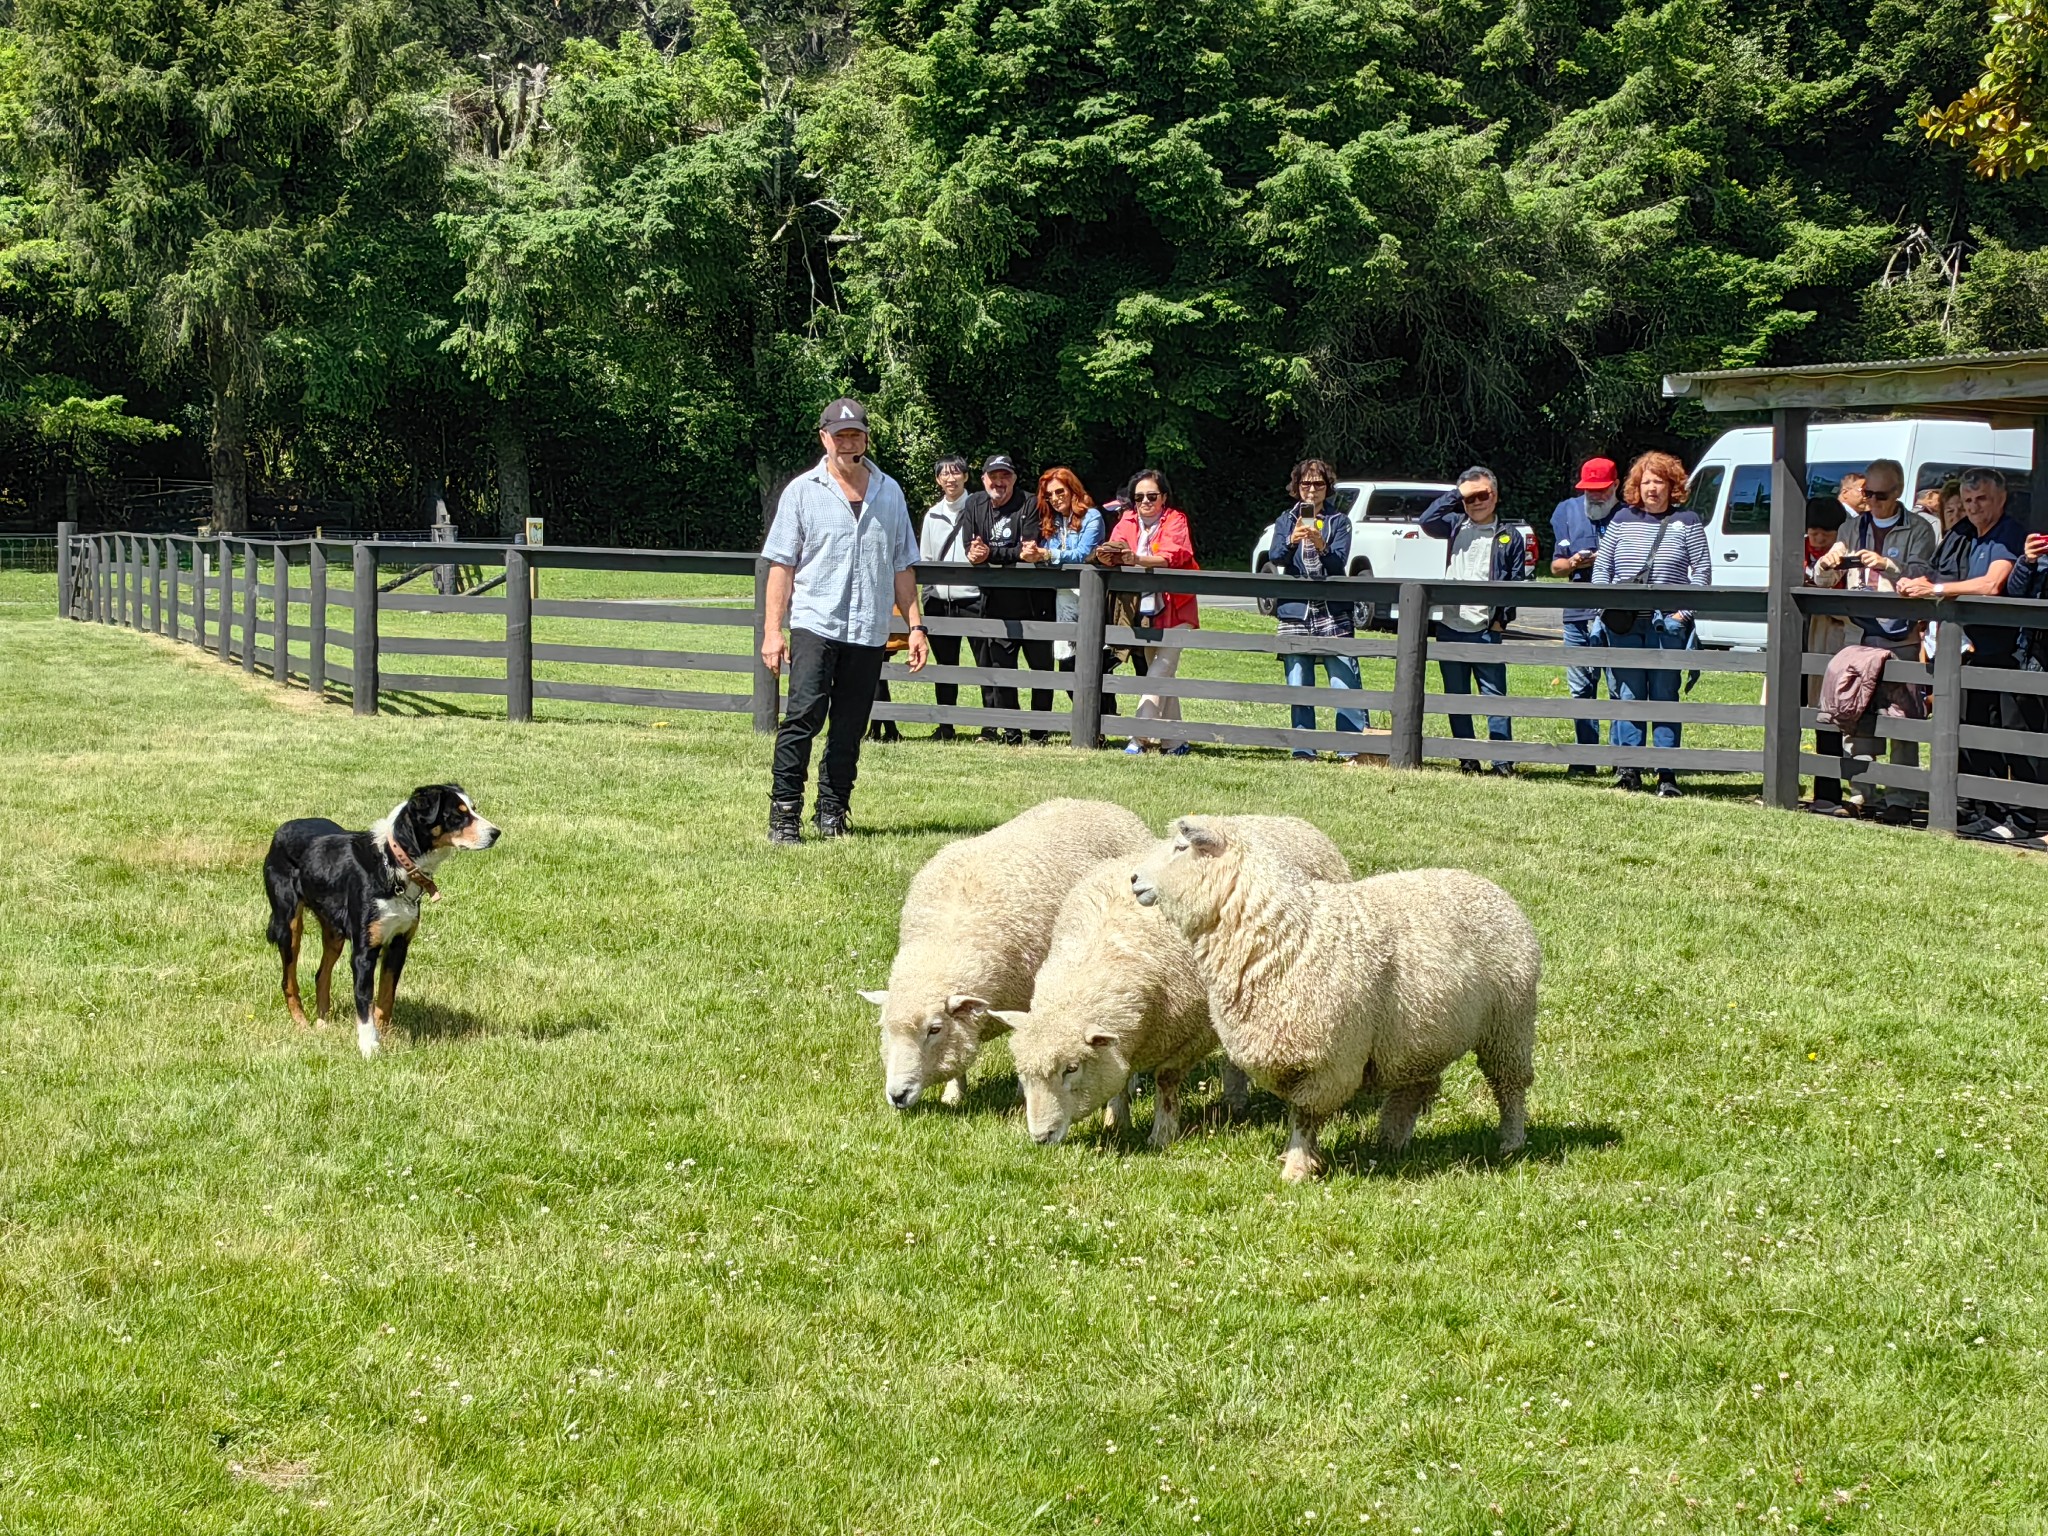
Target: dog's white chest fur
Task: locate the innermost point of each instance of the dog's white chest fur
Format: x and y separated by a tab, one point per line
396	915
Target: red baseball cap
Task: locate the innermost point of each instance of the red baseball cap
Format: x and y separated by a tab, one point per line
1597	475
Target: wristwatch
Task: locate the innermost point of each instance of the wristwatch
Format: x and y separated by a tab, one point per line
919	629
1938	588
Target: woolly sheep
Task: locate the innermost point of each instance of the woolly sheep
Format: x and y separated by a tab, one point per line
1119	993
1318	990
976	925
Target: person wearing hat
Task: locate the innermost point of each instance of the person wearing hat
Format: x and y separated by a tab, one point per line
841	554
1576	527
1002	526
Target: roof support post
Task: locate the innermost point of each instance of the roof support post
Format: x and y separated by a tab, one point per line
2037	487
1783	687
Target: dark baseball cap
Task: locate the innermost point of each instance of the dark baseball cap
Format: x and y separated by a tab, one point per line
842	414
998	461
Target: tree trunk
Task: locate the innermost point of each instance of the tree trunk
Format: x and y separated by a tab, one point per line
230	462
515	495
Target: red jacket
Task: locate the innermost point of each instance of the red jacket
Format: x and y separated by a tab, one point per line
1179	551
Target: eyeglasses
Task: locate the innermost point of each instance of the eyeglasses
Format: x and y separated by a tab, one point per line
1147	496
1874	494
1314	485
1477	498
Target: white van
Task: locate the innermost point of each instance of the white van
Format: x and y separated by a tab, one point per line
1386	540
1731	488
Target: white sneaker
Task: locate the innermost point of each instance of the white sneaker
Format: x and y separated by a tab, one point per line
1976	826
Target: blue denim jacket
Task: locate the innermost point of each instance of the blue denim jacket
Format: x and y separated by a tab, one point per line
1073	546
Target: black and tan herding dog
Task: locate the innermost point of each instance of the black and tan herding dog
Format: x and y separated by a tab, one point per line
365	888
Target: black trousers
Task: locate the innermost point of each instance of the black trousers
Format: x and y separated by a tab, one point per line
1002	653
2005	712
946	648
831	689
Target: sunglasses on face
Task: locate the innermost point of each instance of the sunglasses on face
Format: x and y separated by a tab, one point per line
1477	498
1314	485
1147	496
1873	494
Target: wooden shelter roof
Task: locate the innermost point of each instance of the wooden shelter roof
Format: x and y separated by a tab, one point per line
2008	388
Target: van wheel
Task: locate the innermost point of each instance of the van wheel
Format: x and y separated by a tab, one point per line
1367	615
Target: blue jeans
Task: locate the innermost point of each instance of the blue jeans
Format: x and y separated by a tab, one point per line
1492	677
1342	672
1585	681
1656	632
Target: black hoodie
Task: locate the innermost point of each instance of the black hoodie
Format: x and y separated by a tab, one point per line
1004	529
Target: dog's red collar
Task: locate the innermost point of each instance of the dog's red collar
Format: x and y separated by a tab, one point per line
413	872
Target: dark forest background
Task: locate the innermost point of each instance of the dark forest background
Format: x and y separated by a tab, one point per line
602	260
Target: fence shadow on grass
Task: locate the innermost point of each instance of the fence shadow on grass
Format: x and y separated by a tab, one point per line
420	1022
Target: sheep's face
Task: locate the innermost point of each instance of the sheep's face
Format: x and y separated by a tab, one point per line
1067	1075
925	1041
1184	877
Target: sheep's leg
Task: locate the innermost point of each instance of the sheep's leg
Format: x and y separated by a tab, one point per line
1237	1092
1404	1106
1166	1110
952	1094
1513	1099
1304	1158
1116	1114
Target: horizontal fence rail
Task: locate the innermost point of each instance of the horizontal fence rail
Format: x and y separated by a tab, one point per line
326	614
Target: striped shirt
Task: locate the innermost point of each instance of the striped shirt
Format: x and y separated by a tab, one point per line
1683	559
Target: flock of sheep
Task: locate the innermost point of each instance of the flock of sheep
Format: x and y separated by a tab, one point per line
1246	932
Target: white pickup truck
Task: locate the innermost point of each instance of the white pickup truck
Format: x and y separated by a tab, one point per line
1386	541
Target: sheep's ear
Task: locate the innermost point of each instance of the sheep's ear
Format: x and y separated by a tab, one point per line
1016	1018
966	1008
1204	840
879	999
1102	1039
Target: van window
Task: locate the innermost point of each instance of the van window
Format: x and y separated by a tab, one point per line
1705	491
1749	497
1398	506
2018	485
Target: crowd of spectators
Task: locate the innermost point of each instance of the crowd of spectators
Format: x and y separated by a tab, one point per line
1617	530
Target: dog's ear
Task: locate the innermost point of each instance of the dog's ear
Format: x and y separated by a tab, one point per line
425	803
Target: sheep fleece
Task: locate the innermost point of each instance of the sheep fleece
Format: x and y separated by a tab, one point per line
1321	989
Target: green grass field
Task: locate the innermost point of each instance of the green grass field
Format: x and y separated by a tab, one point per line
619	1234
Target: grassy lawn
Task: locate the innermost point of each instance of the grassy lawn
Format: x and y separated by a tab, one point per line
619	1235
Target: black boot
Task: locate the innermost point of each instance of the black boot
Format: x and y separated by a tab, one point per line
786	821
944	733
1667	785
1628	779
831	817
883	730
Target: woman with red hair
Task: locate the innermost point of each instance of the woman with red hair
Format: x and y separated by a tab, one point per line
1654	539
1070	526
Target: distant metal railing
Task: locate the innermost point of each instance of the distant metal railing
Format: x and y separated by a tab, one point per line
208	591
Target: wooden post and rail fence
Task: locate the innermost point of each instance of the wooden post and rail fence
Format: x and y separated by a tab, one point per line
211	592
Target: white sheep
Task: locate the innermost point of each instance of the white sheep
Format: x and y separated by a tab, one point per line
976	925
1319	990
1120	993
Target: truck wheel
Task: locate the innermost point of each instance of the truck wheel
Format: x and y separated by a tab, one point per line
1368	615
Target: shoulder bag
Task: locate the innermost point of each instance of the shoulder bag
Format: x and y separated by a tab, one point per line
1622	621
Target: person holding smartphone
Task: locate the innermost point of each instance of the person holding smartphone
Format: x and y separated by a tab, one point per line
1313	543
1576	527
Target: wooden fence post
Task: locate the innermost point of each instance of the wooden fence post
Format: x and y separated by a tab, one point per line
251	590
152	586
66	532
1945	754
90	608
281	620
316	620
767	686
1411	667
1784	686
171	560
124	556
103	586
364	661
225	580
132	581
1089	624
518	637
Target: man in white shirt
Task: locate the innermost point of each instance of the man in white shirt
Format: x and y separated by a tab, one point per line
1483	548
840	556
941	541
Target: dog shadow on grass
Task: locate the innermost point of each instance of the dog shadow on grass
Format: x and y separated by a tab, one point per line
420	1022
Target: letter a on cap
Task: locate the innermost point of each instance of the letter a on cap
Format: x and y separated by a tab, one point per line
843	414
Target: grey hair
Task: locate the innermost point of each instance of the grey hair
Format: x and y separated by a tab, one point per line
1480	472
1976	479
1891	466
